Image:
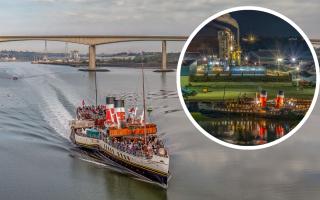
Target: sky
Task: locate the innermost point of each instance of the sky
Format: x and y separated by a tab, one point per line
263	24
129	17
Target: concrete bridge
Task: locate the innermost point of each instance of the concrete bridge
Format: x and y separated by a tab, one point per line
93	40
315	42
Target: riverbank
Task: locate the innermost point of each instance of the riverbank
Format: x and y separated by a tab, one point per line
232	90
107	64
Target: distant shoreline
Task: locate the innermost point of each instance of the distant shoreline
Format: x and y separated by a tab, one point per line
127	65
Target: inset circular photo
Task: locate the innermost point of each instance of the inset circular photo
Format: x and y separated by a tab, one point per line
248	78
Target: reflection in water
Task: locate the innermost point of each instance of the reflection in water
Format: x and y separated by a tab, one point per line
163	78
111	179
93	84
247	131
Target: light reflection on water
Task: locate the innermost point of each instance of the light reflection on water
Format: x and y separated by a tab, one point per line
247	130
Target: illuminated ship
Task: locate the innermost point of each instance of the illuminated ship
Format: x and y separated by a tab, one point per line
259	106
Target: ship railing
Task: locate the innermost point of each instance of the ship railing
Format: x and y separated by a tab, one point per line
136	150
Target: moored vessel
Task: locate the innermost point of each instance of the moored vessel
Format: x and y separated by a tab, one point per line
260	106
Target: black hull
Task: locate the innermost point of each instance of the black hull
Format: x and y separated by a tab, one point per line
149	174
215	113
153	176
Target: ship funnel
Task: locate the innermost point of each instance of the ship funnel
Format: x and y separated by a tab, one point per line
280	99
119	108
117	103
110	102
257	96
110	110
263	98
122	103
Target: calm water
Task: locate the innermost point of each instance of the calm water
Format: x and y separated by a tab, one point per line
247	130
39	162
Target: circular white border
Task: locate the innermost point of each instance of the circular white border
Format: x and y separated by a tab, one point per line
226	143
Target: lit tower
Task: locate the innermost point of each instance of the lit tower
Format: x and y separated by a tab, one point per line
229	40
223	44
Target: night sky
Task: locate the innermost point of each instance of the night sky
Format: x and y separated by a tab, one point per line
271	32
262	24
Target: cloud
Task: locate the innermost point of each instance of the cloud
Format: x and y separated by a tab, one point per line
148	17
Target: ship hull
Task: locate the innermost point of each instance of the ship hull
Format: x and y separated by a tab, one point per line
156	177
145	171
217	112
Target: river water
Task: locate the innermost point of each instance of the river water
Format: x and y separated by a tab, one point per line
39	162
247	130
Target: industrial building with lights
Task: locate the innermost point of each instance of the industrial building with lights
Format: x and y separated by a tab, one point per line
216	50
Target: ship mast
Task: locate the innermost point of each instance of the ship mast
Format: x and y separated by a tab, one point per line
144	100
95	85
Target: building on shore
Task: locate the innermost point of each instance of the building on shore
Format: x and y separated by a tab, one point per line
74	56
219	39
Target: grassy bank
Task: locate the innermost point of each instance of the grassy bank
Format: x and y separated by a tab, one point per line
199	117
232	90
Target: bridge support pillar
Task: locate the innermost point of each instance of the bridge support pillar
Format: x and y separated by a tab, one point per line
163	67
164	55
92	57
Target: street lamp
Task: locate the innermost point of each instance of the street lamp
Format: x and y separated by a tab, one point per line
204	59
297	77
293	59
279	60
246	59
252	38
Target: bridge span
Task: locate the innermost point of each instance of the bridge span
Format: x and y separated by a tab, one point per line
93	40
315	42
